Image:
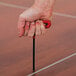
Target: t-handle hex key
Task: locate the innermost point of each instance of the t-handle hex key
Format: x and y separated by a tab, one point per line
47	25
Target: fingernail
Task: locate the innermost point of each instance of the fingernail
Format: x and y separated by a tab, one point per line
27	24
37	21
32	23
30	36
20	35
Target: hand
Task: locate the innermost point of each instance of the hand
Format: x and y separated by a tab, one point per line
36	28
26	22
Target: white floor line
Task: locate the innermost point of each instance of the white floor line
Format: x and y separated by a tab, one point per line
65	15
55	13
12	5
59	61
22	7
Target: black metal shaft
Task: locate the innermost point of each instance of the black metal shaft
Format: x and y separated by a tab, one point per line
47	25
33	53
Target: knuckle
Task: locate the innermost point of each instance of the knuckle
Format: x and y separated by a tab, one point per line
21	16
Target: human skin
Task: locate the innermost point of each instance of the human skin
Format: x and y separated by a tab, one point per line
30	21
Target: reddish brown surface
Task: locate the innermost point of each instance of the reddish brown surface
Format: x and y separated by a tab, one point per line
25	3
66	68
67	6
57	43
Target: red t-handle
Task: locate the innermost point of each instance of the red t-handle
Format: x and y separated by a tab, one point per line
47	23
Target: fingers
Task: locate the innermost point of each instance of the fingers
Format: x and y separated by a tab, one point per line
43	30
27	28
38	27
32	29
21	25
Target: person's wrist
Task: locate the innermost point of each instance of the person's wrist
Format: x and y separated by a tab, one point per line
39	7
